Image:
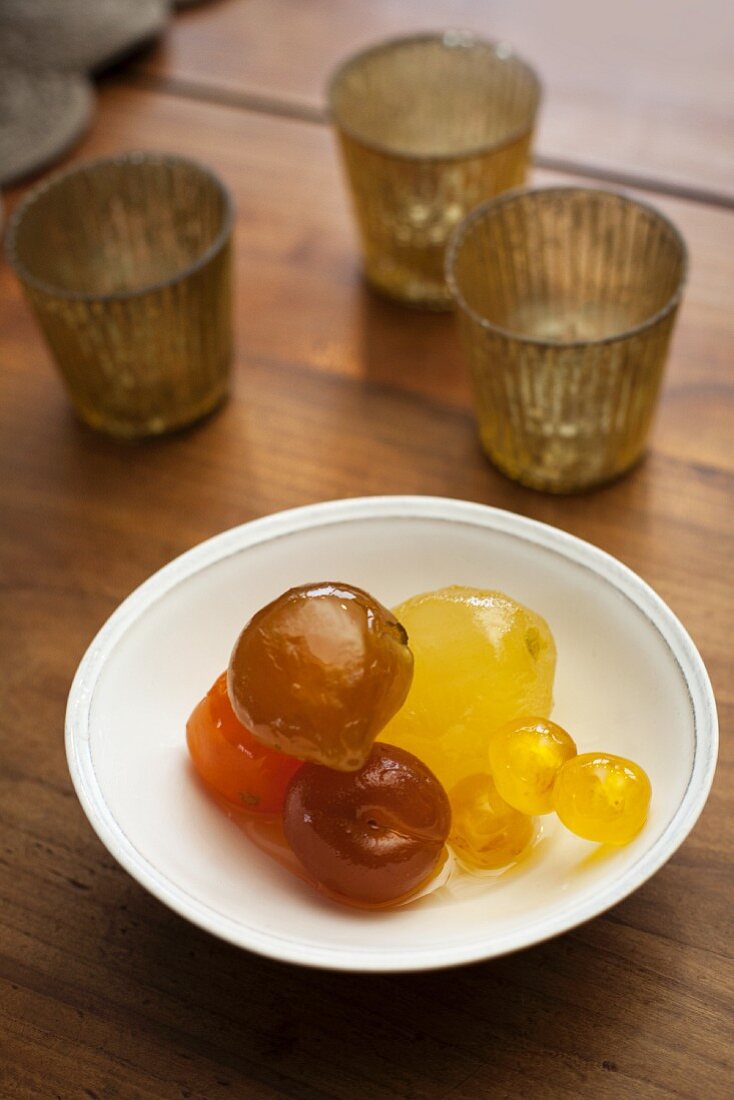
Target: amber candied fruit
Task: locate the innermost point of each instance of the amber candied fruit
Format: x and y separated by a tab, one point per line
370	836
319	671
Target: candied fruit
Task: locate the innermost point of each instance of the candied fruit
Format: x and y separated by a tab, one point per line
288	733
370	836
486	833
230	759
601	797
481	659
525	757
319	671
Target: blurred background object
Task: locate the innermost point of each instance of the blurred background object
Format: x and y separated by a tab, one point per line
47	50
42	113
76	34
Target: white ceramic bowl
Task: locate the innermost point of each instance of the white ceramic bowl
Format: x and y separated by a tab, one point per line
629	680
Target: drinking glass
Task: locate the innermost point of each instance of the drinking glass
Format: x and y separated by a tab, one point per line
126	263
428	126
566	300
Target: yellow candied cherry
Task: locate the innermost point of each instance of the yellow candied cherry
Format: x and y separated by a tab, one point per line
486	832
601	797
480	659
525	756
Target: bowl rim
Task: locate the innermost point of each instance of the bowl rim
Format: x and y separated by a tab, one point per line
451	38
488	206
85	167
335	512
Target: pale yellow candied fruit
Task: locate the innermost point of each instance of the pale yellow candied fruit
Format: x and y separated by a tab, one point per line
480	660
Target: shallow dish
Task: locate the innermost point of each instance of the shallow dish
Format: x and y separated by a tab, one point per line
629	680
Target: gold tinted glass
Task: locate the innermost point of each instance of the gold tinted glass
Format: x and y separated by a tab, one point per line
428	127
566	300
127	265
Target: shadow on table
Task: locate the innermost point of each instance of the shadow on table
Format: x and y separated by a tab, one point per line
410	349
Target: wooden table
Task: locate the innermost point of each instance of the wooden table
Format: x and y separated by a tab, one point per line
106	994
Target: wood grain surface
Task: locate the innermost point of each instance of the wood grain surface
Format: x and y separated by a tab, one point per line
632	90
104	993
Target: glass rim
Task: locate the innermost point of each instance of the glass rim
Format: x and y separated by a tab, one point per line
516	193
133	157
502	50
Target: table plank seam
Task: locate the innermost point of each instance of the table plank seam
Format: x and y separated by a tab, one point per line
434	406
296	111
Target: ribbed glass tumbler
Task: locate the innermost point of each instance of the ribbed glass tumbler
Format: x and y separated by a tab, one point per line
429	126
127	265
566	299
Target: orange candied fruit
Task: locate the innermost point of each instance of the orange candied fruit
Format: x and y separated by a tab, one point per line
230	760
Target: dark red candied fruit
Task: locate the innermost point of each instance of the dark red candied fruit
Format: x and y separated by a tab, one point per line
370	836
